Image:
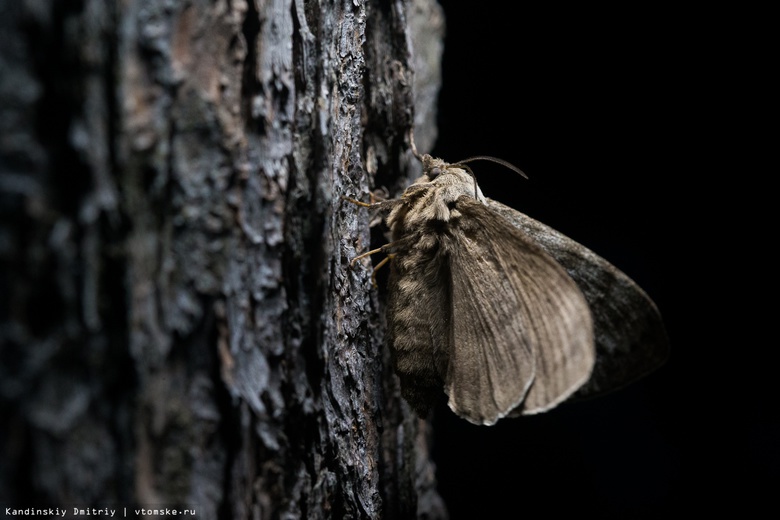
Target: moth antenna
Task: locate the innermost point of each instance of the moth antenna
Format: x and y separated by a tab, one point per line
414	146
495	160
470	172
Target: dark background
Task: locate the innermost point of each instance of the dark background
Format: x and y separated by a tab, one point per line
627	125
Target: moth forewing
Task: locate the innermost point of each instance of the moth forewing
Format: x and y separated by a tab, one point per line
516	313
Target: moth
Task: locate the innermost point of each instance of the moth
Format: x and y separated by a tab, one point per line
504	314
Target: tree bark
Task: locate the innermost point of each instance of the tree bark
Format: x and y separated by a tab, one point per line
179	324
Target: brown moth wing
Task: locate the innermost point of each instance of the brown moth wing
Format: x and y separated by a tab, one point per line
630	336
522	336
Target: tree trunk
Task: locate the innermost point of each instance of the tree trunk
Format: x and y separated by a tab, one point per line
180	327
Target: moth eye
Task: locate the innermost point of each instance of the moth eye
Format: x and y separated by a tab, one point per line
435	172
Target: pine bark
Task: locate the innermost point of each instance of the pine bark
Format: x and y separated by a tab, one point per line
180	326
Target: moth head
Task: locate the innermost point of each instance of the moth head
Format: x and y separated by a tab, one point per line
433	166
450	179
454	179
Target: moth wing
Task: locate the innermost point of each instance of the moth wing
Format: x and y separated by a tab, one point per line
521	329
630	336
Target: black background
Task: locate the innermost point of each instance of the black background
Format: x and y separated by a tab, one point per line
625	121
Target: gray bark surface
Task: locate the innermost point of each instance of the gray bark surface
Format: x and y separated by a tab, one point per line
179	324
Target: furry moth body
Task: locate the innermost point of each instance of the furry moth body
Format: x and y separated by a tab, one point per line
505	314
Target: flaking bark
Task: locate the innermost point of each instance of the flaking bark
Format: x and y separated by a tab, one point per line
179	324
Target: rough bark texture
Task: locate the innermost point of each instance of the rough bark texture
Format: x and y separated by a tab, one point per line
179	324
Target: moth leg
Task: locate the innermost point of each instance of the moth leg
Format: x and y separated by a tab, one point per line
379	204
368	253
379	195
376	196
380	264
401	244
359	203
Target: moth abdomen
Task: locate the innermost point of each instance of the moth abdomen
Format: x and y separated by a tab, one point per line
418	321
